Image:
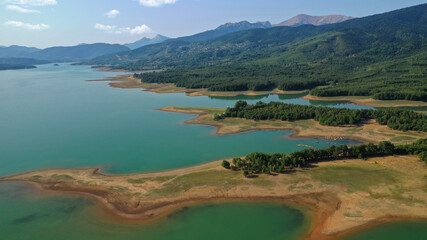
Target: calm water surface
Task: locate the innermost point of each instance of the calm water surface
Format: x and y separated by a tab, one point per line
50	117
33	216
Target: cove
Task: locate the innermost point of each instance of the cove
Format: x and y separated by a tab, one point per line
67	217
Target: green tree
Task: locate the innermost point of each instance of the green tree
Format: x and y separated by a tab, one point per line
226	164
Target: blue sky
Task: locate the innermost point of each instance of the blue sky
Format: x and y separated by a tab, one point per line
45	23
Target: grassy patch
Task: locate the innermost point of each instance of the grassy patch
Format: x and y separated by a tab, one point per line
261	181
355	178
62	177
357	214
163	178
402	138
296	188
220	179
138	181
353	130
36	177
119	189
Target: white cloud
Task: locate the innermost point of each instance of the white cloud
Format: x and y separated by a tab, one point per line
156	3
112	14
21	9
140	30
105	28
33	2
27	26
115	30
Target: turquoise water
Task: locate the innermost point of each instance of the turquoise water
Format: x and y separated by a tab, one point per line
50	117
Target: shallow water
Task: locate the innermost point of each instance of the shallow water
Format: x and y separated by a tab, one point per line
50	117
30	215
393	231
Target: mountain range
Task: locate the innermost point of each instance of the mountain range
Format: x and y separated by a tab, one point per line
383	56
16	51
88	51
223	30
18	57
313	20
146	41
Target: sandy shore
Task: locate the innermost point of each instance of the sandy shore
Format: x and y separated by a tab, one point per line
107	69
342	196
127	81
368	132
367	101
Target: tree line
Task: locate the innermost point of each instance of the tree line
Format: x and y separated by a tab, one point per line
397	119
256	163
388	73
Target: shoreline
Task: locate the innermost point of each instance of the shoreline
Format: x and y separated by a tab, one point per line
369	132
127	81
367	101
322	205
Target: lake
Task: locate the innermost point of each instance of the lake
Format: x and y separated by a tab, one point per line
51	117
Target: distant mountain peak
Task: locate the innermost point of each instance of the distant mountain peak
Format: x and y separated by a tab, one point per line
146	41
302	19
246	25
223	30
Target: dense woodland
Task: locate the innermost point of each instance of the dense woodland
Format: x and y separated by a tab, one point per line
382	56
19	63
394	118
4	66
367	74
256	163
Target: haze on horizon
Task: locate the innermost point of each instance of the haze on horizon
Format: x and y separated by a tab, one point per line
46	23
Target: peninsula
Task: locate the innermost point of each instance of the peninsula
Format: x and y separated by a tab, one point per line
342	196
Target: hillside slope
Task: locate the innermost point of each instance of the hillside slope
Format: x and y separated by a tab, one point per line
338	56
77	53
313	20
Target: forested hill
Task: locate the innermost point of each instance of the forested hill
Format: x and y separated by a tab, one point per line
77	53
19	63
382	56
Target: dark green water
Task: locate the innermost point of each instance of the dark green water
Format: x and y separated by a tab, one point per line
33	216
50	117
393	231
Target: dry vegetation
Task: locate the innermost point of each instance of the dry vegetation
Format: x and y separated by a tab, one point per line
344	195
